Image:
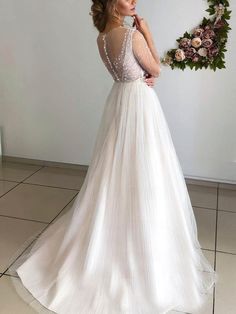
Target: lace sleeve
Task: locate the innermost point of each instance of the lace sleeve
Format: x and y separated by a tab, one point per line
143	54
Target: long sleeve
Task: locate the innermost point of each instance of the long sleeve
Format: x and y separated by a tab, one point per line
143	54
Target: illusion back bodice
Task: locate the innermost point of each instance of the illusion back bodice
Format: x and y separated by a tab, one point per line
125	53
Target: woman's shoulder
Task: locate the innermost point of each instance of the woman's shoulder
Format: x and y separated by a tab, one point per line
122	28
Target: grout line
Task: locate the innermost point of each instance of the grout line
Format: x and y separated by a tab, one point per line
224	252
219	251
37	235
63	209
8	180
9	275
33	173
51	186
37	184
227	211
210	250
40	221
25	219
10	189
201	207
20	182
220	210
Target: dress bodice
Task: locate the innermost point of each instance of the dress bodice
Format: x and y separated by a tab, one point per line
122	50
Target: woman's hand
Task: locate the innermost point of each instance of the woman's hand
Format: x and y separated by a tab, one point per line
150	80
141	24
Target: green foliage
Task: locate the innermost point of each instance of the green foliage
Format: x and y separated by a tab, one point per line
215	52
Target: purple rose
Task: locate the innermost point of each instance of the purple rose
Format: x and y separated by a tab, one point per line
213	51
219	24
195	58
207	43
185	42
189	52
208	34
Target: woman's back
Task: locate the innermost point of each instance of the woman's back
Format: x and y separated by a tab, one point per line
125	53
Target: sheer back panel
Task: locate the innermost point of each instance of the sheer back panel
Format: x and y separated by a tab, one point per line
125	53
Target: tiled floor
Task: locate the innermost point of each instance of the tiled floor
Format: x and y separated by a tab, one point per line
32	196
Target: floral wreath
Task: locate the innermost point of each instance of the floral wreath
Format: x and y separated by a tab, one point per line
205	47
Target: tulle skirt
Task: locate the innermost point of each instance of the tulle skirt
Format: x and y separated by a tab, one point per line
129	244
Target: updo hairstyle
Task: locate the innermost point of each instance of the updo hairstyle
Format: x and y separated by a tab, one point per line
101	10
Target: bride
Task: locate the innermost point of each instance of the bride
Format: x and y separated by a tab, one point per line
129	244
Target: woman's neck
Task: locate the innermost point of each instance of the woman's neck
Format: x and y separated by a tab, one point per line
112	24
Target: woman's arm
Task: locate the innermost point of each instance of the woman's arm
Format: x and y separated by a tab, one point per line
143	41
151	45
144	55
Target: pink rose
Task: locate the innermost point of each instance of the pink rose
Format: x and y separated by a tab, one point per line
198	32
168	60
209	33
196	42
202	52
195	58
179	55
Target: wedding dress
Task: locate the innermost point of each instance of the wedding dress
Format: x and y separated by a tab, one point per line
129	244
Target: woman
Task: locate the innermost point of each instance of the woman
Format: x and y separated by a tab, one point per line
129	244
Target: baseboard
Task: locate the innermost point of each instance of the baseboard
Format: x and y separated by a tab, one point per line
47	163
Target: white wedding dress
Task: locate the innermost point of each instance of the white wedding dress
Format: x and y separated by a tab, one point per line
129	244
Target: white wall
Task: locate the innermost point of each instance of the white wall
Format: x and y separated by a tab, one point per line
53	85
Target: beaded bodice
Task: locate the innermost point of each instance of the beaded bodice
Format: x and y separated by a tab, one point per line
117	50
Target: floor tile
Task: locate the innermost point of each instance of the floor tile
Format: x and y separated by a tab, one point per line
203	196
58	177
206	224
16	171
12	302
35	202
11	271
227	199
14	233
66	209
226	232
229	186
6	186
225	301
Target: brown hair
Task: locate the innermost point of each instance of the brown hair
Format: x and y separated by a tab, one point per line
101	10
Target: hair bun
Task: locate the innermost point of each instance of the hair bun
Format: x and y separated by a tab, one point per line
99	14
101	10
